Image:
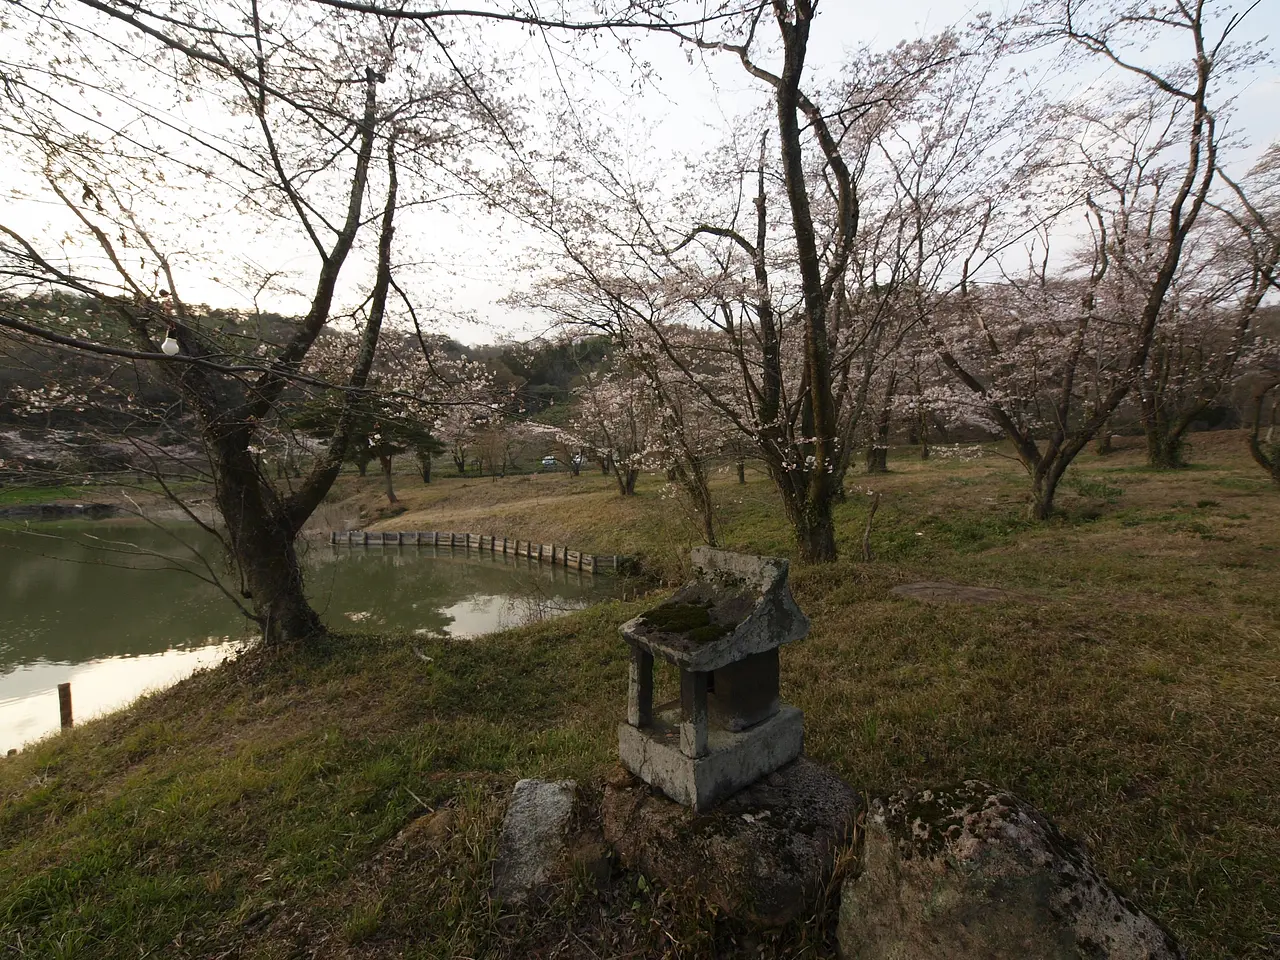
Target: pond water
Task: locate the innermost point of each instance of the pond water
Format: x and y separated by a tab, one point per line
101	605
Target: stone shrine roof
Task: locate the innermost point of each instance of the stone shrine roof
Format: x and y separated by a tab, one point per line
739	606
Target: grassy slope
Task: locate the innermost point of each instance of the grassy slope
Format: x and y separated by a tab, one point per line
20	496
1132	691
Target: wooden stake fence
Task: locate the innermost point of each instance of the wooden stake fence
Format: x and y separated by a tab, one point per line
555	554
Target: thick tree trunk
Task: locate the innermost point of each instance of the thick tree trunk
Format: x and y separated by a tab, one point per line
692	477
1104	446
1268	460
262	540
878	448
816	534
1263	447
424	467
921	431
1045	478
362	465
1164	450
626	480
812	523
1164	438
815	531
1041	506
386	474
742	470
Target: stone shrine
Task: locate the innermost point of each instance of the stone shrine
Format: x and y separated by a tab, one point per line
728	729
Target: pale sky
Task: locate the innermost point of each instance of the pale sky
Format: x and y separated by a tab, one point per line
465	256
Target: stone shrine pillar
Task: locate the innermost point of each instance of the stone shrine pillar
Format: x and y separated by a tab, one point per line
728	728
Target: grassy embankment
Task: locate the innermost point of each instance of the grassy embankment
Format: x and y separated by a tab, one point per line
21	496
1130	688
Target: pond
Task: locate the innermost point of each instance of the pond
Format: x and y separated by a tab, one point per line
101	605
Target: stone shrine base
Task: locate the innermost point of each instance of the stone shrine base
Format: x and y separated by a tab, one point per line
763	855
733	759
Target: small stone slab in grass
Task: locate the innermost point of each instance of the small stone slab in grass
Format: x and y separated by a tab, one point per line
762	855
533	839
943	592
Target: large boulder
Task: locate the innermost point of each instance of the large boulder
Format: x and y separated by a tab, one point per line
762	855
534	837
973	873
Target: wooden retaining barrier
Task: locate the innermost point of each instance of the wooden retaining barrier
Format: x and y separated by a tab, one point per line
555	554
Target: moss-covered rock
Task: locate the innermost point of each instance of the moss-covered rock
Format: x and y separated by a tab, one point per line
972	873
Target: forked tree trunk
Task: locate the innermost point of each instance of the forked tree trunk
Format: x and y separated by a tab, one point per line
1045	478
1164	451
1263	447
878	448
1164	436
692	477
262	540
811	522
386	474
816	534
626	480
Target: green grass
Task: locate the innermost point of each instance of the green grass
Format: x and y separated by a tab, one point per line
1129	689
20	496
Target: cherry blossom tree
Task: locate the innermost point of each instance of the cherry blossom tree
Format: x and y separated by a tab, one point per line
617	422
318	115
754	281
1139	162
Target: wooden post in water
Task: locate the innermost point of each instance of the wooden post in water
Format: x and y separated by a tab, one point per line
64	705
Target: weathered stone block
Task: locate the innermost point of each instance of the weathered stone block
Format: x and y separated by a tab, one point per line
732	760
972	873
764	855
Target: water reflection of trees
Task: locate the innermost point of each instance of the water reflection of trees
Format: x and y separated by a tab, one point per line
52	609
59	601
452	592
